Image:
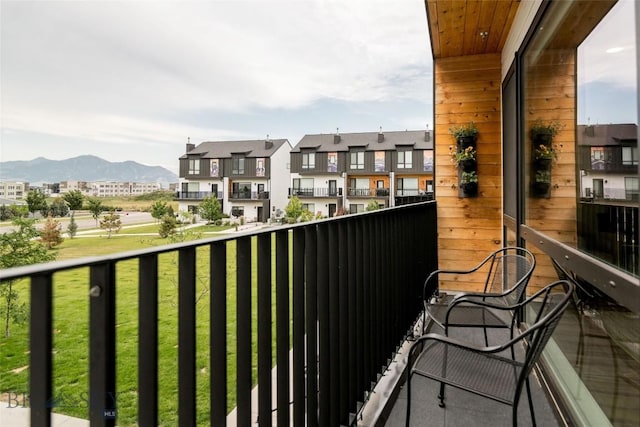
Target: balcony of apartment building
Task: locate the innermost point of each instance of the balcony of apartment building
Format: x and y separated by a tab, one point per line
249	195
197	195
315	192
368	192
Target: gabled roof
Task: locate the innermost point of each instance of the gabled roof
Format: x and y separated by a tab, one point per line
367	140
611	134
225	149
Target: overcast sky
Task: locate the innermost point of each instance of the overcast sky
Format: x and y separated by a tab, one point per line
132	80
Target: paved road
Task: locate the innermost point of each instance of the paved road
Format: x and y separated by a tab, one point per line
86	221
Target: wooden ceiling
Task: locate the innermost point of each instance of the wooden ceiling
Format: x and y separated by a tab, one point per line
457	26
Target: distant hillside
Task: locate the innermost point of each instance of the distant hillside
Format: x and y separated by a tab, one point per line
82	168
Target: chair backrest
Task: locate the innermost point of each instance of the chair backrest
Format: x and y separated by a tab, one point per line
548	305
510	269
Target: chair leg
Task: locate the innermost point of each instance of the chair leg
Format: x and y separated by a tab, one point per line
441	396
407	417
533	415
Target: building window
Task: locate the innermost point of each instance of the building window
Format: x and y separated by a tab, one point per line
630	156
632	188
405	159
238	166
357	160
355	208
407	187
237	211
309	207
303	187
308	160
194	166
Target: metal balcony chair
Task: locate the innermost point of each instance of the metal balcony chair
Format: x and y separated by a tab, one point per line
488	371
508	271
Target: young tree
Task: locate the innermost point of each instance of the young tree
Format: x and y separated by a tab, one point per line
168	226
51	234
74	199
72	228
96	208
17	248
159	209
373	205
293	210
210	208
36	201
59	208
111	222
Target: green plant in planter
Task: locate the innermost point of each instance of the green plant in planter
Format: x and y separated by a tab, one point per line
540	127
543	176
469	178
468	153
464	131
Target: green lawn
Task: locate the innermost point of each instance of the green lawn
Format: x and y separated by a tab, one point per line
71	314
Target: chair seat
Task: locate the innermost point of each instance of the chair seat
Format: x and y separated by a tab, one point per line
492	376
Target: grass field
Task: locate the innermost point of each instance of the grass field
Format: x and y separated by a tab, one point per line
71	314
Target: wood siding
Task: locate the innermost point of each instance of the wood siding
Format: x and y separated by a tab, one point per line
550	95
467	89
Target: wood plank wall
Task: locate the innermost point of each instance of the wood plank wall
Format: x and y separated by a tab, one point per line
550	95
467	88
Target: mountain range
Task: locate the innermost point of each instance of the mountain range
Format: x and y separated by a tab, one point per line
82	168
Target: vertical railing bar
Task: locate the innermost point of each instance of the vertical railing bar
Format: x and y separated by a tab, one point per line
264	326
243	337
102	345
324	325
380	311
345	259
148	340
218	333
40	345
334	314
282	327
352	306
369	247
312	301
298	328
187	336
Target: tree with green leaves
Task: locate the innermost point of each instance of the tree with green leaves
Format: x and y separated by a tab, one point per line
210	209
18	248
111	222
36	201
59	208
74	199
51	234
159	209
293	210
373	205
168	225
95	207
72	228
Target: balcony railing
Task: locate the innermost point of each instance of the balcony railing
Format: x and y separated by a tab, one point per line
368	192
196	195
315	192
346	291
249	195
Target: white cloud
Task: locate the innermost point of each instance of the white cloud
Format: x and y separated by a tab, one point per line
125	72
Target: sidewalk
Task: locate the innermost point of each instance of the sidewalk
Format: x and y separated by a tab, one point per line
20	417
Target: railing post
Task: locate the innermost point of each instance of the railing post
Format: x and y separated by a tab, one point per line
102	345
187	336
218	333
264	330
243	332
313	298
148	340
40	342
298	327
282	327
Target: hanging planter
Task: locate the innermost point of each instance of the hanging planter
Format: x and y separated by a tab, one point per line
469	184
544	152
465	135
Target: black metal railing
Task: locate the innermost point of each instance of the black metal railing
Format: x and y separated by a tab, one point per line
249	195
354	282
368	192
196	195
610	232
315	192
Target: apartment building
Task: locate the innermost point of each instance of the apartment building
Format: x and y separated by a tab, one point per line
609	155
250	178
117	189
13	190
348	171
